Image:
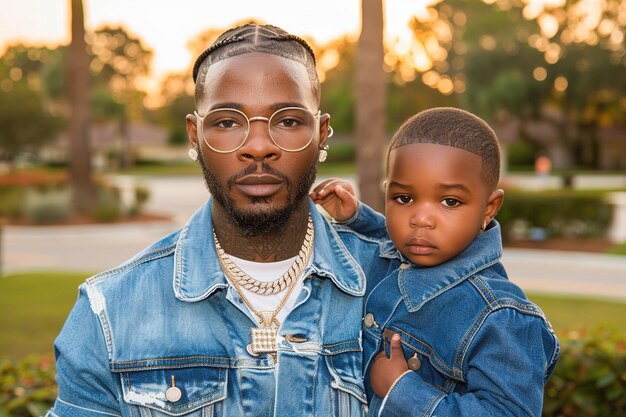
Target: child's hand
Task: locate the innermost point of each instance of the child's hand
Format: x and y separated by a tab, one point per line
385	371
337	198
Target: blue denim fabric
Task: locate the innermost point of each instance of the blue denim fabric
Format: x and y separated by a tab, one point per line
484	348
169	312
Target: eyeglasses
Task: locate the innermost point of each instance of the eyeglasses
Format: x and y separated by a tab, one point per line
226	130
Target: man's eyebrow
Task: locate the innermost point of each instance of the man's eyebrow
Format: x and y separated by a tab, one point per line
226	105
274	107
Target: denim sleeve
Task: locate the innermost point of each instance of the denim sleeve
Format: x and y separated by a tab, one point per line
85	382
367	222
506	366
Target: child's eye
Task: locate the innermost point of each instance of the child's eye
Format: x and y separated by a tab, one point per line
450	202
403	199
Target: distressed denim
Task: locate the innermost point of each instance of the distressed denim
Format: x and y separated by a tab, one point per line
481	347
168	317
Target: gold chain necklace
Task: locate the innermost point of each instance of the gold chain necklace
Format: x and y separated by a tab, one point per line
271	287
264	336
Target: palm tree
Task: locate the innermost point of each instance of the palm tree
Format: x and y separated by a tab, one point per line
83	189
370	104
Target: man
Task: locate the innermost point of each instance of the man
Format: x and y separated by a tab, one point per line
254	308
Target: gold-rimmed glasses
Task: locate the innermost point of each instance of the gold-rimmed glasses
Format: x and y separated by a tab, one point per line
225	130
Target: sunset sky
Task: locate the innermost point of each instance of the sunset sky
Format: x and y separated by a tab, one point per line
166	27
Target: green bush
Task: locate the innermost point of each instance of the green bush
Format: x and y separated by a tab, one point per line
108	207
47	205
11	199
560	213
27	386
590	377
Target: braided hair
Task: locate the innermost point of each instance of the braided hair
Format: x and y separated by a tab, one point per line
457	128
256	38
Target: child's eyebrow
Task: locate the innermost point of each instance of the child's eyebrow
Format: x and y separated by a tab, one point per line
453	186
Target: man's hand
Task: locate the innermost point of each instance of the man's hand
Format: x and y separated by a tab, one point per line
337	198
385	371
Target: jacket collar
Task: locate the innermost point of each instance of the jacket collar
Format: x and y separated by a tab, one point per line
197	272
419	285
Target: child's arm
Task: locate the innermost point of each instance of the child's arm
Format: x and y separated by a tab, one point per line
337	197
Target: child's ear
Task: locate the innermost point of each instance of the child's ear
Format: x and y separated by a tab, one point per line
494	202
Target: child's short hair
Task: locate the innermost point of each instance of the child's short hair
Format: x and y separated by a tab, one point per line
457	128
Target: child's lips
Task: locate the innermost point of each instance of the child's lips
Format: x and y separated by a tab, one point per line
420	246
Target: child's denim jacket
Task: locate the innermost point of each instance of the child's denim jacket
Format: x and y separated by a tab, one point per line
166	335
474	344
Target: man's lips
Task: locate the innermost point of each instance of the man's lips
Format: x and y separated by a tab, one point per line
420	246
259	185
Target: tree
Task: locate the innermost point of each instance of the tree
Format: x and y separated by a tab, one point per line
370	104
83	189
26	122
554	64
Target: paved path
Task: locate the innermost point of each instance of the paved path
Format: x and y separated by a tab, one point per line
96	248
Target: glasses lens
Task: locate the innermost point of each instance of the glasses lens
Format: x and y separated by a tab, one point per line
292	128
225	130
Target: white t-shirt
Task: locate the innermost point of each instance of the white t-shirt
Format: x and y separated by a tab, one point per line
269	271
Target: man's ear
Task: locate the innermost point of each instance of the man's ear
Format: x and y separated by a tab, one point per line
494	202
192	132
324	129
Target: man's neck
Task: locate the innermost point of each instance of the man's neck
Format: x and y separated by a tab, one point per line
271	247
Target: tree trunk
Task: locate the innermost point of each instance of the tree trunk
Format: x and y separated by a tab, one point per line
83	189
370	104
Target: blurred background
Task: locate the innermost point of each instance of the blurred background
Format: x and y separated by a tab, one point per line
94	167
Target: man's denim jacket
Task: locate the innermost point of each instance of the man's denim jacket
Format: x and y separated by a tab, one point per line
479	347
168	318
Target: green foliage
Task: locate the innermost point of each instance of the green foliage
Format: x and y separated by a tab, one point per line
25	125
590	377
618	249
177	134
521	154
27	386
11	199
561	213
47	205
108	207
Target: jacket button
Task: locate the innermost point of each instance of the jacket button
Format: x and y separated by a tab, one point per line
369	320
414	363
173	393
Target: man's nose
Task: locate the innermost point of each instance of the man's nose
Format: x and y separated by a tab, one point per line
259	144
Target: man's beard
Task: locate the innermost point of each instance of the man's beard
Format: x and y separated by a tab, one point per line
259	222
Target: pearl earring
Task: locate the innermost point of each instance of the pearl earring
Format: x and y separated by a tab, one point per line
193	154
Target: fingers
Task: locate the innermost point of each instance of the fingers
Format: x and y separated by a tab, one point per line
395	349
333	185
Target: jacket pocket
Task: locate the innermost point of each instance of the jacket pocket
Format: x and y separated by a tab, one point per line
192	392
346	382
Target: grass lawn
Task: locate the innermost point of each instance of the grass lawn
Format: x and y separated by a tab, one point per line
35	306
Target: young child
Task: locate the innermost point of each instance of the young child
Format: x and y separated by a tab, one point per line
463	339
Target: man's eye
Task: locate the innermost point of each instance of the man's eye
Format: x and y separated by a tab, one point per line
450	202
288	123
226	124
403	199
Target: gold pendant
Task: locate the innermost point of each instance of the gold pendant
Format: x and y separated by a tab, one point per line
264	337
